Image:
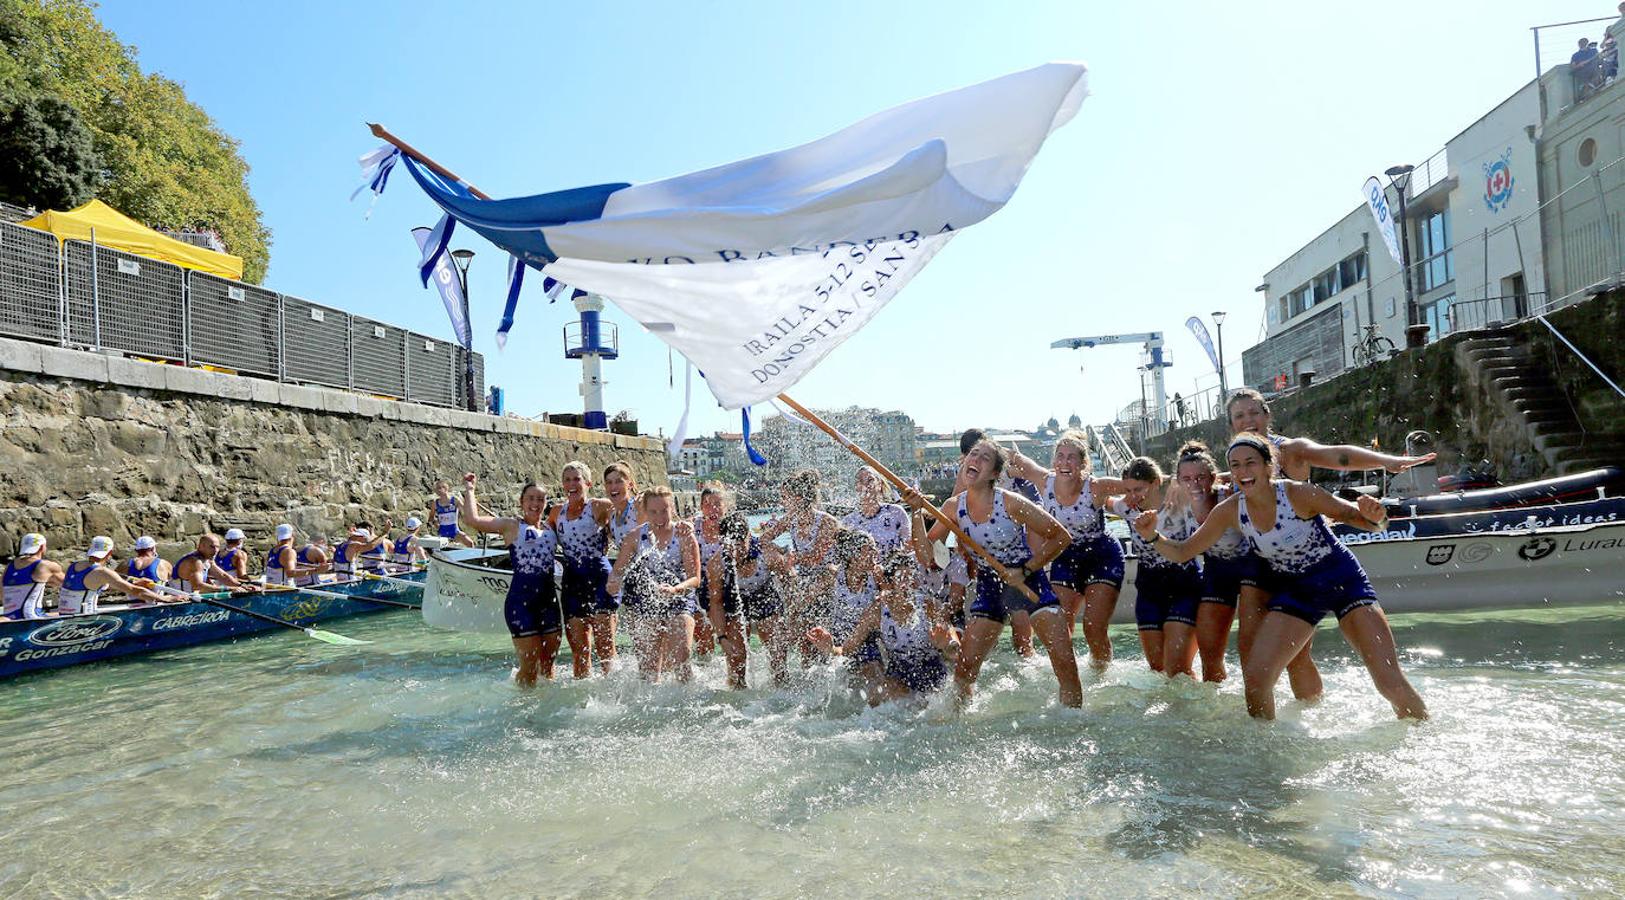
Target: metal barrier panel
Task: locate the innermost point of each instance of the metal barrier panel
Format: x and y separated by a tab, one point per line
317	343
124	301
479	381
462	381
432	367
30	283
378	357
233	325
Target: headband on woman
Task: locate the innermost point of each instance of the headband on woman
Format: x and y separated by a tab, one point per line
1248	440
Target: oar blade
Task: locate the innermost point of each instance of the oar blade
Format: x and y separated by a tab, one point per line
337	640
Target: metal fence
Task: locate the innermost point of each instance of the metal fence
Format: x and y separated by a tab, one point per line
82	295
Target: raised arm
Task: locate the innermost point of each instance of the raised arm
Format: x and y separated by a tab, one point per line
1346	457
1023	466
1308	500
1222	517
1104	488
485	524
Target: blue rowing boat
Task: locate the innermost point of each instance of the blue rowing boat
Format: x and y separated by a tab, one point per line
30	645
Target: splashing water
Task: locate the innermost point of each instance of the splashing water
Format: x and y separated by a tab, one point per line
276	766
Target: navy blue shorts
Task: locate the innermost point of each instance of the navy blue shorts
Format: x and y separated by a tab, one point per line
1093	561
449	532
1166	594
532	607
583	592
1335	585
762	603
921	675
1224	576
866	652
997	601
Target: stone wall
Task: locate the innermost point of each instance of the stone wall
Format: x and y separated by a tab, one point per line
87	451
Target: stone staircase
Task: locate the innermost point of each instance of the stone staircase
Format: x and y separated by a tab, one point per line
1535	409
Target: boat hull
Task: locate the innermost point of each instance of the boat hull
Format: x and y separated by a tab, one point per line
36	644
465	590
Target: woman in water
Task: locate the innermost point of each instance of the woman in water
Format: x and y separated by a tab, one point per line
854	561
808	576
999	521
708	533
1227	567
743	598
887	523
1088	575
535	618
659	565
582	525
1311	574
1293	458
918	650
622	490
1166	590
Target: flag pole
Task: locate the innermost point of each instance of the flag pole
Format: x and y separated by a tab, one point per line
948	521
381	132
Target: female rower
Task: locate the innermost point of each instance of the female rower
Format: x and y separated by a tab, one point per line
1293	458
84	581
708	533
1088	575
146	564
23	584
535	617
742	599
854	561
622	490
659	566
999	521
918	649
809	579
582	524
1167	590
1311	574
1227	567
887	523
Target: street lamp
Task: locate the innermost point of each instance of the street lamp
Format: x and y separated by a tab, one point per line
1400	178
1224	387
460	260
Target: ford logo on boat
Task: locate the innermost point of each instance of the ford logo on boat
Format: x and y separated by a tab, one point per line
68	632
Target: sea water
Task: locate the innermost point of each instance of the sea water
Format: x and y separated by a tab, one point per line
278	766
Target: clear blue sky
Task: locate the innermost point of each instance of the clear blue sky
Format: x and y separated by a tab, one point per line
1218	140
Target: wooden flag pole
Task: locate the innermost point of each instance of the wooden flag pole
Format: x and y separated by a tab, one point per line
1011	578
383	133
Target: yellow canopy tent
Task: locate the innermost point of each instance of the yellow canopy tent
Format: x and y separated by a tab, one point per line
115	229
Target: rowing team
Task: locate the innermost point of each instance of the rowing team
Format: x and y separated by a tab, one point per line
215	563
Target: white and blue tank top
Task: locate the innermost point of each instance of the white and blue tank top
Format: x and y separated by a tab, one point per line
890	526
23	595
1082	520
75	596
581	539
205	578
1295	545
1000	535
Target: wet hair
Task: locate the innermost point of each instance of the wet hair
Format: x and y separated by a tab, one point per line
969	440
1245	394
526	489
623	467
651	493
1078	441
1195	452
998	455
1257	442
849	542
578	466
734	526
803	484
1143	468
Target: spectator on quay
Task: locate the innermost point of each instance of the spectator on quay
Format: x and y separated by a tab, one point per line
1586	69
1179	406
1610	58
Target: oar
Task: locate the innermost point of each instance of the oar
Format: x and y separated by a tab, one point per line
376	577
931	508
326	637
335	595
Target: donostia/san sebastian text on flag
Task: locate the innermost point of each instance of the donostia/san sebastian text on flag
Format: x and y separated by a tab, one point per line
756	270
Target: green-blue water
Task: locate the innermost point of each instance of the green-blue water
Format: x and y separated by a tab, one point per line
283	767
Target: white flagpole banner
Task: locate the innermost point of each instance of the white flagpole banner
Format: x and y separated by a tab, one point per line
756	270
1377	199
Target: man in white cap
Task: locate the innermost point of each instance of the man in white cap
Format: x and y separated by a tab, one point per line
234	558
23	585
406	551
347	556
146	564
84	581
286	564
197	571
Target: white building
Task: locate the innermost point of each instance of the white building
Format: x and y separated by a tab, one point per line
1472	218
707	457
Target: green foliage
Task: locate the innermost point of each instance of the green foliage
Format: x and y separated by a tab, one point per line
48	157
167	164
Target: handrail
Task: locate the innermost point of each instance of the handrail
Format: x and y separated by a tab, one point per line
1583	357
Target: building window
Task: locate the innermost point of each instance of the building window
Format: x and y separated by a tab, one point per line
1325	285
1436	316
1437	264
1351	271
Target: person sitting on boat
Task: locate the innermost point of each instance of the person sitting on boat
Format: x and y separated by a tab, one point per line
582	523
146	564
84	581
1311	573
26	577
1249	413
198	571
348	553
534	615
444	511
1167	591
406	551
290	565
376	556
234	558
659	566
918	650
743	598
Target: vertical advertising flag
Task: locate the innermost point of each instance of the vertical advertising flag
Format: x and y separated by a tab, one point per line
1377	199
445	279
1199	329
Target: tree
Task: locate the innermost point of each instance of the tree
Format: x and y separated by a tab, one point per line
48	157
166	162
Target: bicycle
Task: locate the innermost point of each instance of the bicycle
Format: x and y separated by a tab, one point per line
1372	346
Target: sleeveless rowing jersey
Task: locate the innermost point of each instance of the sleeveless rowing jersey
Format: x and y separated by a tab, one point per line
1000	535
181	584
1230	545
1175	524
342	563
532	554
889	526
373	558
75	597
909	640
403	550
1295	545
227	559
622	523
581	539
708	547
800	541
445	517
663	565
275	574
23	595
850	605
148	571
1082	520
